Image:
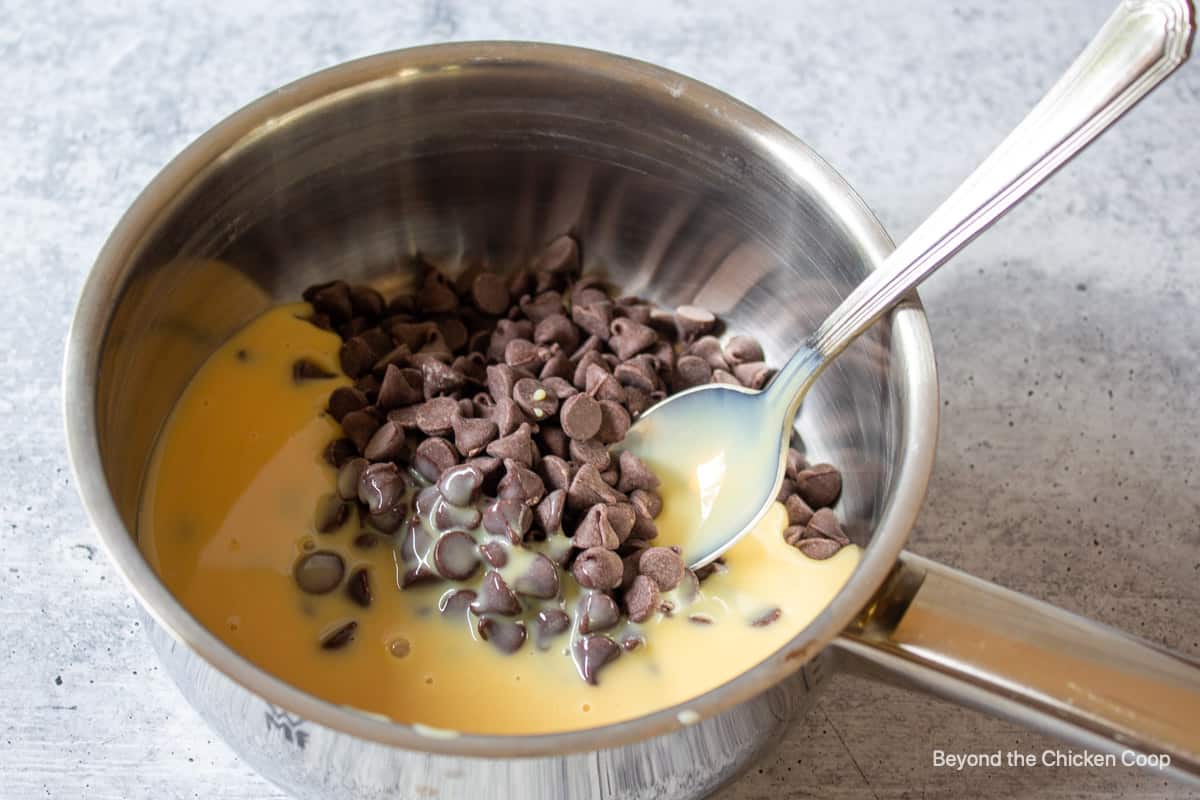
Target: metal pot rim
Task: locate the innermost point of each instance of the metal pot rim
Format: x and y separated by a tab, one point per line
912	349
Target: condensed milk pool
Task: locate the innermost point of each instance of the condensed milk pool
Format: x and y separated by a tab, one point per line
227	511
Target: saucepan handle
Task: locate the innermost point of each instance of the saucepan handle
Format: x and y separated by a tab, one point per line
984	646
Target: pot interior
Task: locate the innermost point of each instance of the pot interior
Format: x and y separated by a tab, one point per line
676	193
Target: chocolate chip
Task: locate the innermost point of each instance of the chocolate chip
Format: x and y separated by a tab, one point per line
460	485
743	350
491	469
433	457
490	293
605	387
592	653
472	366
646	502
580	417
635	474
386	444
637	374
560	256
331	513
506	331
798	511
643	526
504	635
398	356
787	488
319	572
347	478
356	357
693	321
366	301
754	374
524	354
663	565
449	517
819	485
386	521
358	588
819	549
641	598
360	426
727	378
712	568
435	417
304	370
637	401
621	516
590	452
596	530
455	556
589	290
558	367
507	416
494	553
585	365
400	387
366	540
345	399
795	463
508	518
630	338
614	422
471	436
588	488
340	637
331	299
555	472
556	329
598	568
369	386
455	601
521	484
454	333
544	305
553	441
539	579
691	371
549	511
381	487
439	379
824	524
709	348
594	318
517	446
436	297
597	612
548	623
495	597
534	399
766	618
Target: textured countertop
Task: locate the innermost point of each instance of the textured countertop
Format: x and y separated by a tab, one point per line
1067	339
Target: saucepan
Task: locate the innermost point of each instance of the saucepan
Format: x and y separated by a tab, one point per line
479	153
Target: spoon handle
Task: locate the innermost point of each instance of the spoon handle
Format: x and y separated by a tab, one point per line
1138	47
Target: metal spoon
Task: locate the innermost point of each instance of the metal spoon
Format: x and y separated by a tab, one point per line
720	449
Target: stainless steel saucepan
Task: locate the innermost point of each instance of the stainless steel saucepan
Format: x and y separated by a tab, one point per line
484	151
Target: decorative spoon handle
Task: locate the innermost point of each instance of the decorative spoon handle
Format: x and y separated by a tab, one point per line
1139	46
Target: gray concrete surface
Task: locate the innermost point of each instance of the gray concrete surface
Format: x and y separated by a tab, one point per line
1067	339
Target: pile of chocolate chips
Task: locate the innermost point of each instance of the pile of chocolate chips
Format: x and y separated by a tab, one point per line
478	433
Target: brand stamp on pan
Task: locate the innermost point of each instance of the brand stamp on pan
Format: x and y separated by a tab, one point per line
1021	759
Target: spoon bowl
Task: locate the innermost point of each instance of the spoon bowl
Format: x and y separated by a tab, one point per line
723	448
